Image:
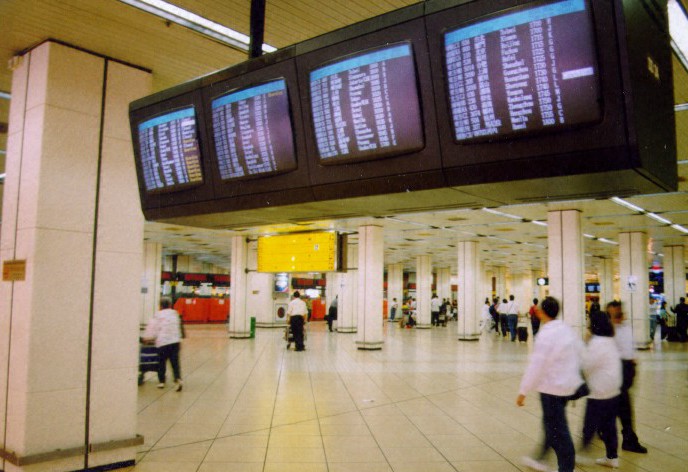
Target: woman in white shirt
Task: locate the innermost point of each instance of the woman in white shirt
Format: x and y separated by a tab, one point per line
601	364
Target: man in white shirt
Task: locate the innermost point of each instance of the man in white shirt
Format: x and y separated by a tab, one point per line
435	305
296	313
623	335
553	371
166	330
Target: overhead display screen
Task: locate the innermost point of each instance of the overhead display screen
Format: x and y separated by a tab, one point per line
528	69
298	252
252	131
367	105
170	155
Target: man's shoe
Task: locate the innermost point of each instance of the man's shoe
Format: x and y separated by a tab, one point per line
178	388
534	464
634	447
161	385
607	462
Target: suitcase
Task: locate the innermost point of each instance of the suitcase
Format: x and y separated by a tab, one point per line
148	360
522	334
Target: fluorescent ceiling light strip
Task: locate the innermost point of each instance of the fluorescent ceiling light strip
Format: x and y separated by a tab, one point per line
680	228
499	213
195	22
608	241
539	223
5	95
656	217
629	205
589	236
681	107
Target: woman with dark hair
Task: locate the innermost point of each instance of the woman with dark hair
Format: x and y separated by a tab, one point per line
601	365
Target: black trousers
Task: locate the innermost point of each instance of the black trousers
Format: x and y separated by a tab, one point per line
535	323
503	323
557	434
625	407
435	318
171	352
296	325
600	417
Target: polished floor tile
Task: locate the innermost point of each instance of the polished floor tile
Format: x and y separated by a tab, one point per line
425	402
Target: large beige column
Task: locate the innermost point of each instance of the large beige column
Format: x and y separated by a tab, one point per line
370	280
150	281
469	297
395	287
69	328
239	322
634	278
444	283
606	279
489	274
567	266
260	292
501	289
523	291
347	309
674	274
423	291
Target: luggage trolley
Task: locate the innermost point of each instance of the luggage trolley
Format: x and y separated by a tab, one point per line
148	360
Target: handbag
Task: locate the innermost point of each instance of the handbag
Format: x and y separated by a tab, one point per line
582	391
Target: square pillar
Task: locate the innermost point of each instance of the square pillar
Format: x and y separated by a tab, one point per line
567	266
260	293
370	280
239	323
347	309
69	331
395	287
674	274
423	291
444	283
606	279
634	277
150	281
469	297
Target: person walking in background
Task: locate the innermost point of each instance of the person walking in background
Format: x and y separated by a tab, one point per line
485	318
534	320
165	330
435	305
623	335
601	364
654	317
393	309
494	312
512	317
554	370
681	311
662	320
332	313
503	307
296	313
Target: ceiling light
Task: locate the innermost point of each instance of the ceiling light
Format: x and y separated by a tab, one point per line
629	205
539	223
499	213
196	23
5	95
656	217
680	228
608	241
589	236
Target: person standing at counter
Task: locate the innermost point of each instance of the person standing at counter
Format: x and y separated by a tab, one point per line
332	313
296	313
165	330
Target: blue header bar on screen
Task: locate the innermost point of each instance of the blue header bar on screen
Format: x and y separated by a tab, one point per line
363	60
514	19
250	92
166	118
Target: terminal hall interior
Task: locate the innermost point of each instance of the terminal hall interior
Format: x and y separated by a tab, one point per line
490	158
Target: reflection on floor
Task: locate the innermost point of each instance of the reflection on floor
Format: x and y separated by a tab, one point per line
426	402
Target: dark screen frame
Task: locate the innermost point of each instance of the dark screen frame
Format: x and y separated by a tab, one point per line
528	155
181	194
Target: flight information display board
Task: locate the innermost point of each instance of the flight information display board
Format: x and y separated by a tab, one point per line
298	252
530	69
252	131
170	155
367	105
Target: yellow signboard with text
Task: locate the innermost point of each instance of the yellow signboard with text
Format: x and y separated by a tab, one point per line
298	252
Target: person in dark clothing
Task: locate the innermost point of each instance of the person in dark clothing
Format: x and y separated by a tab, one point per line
296	313
534	320
681	311
332	313
495	314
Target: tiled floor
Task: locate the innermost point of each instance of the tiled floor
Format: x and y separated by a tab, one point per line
426	402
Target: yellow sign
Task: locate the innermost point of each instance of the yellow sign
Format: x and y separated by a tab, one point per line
298	252
13	271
